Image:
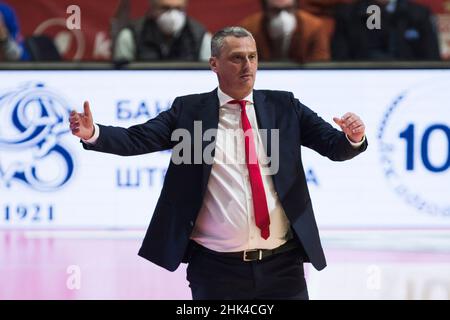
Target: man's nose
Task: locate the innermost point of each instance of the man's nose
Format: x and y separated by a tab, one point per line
246	63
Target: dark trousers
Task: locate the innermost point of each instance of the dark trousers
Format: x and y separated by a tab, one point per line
217	277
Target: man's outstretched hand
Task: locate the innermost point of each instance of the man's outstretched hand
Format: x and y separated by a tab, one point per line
352	126
82	124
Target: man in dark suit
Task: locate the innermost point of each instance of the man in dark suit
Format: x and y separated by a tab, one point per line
244	224
407	32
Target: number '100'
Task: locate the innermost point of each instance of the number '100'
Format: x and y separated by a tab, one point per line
409	136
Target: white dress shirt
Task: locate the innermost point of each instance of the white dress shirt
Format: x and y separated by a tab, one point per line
226	220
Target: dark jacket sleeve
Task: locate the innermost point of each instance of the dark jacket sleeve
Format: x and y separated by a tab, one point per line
319	135
151	136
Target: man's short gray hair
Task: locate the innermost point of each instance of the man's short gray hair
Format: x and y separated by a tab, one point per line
219	37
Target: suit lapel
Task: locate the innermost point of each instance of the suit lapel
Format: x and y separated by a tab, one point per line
209	117
265	114
267	119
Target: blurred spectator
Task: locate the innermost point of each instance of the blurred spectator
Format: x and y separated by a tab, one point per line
407	32
11	47
120	20
165	33
42	48
324	9
283	32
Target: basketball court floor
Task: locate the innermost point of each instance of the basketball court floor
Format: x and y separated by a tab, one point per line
103	264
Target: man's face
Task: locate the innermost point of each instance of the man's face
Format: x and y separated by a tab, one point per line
274	7
236	66
162	6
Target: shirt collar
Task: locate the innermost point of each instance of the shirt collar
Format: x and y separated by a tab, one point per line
224	98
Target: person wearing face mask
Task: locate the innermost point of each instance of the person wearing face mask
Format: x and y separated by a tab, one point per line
166	33
283	32
407	32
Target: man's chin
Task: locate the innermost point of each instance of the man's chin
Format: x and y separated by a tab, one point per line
247	82
246	85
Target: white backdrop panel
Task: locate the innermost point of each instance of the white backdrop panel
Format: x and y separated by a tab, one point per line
48	181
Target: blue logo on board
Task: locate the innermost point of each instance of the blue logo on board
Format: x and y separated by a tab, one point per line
33	119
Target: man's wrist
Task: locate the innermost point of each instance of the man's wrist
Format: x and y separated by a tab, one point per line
93	132
356	144
95	135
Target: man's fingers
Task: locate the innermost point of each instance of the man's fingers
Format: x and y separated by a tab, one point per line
354	124
350	123
74	116
341	123
338	121
347	115
358	129
87	109
77	120
351	120
74	125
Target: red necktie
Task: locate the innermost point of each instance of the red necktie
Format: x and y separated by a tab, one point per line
260	209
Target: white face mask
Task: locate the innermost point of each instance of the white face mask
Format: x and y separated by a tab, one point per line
282	24
171	21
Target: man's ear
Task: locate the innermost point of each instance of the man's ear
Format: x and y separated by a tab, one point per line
213	64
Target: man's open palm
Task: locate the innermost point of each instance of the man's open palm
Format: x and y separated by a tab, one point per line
82	124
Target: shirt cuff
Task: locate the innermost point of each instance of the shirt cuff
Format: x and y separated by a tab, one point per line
356	145
94	138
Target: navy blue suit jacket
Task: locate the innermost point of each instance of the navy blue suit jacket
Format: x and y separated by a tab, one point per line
167	237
